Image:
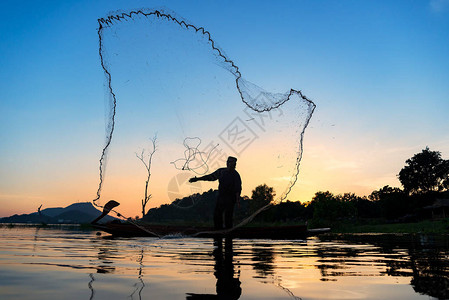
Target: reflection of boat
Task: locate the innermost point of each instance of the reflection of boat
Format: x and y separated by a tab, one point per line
269	232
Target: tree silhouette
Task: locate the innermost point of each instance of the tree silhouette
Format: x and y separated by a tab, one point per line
328	208
146	160
393	202
425	172
261	196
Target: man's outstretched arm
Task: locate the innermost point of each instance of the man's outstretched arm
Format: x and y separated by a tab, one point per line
210	177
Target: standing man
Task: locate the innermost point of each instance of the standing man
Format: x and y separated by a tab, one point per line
229	189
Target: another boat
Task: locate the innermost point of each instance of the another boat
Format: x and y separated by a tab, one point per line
266	232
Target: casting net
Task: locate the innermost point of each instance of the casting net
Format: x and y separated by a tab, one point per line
169	79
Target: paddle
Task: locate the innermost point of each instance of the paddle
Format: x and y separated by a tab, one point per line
106	209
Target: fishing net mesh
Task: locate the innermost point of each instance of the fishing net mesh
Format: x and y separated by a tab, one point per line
166	76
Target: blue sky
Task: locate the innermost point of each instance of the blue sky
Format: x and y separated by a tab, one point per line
377	71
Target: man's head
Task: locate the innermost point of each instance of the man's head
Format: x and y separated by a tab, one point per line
231	162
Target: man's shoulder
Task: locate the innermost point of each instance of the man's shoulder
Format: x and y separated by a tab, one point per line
233	172
218	171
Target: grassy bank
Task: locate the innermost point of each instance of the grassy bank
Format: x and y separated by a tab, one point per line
438	226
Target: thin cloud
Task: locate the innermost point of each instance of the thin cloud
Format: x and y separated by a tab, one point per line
439	6
20	196
337	164
284	178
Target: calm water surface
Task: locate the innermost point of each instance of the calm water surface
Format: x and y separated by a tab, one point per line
72	264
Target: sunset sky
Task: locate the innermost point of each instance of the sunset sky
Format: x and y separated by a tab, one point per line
378	72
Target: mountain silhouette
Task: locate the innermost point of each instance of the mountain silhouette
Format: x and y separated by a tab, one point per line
76	213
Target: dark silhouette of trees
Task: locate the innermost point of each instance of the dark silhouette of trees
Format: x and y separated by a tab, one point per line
328	208
198	209
286	211
367	209
425	178
261	196
425	172
289	211
380	194
392	201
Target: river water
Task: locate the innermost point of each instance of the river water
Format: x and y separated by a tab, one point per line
45	263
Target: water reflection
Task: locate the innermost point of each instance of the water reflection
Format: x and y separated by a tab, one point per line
81	265
105	260
108	254
90	285
140	285
424	258
263	260
430	274
228	281
35	240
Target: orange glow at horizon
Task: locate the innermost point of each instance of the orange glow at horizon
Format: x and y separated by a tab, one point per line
320	170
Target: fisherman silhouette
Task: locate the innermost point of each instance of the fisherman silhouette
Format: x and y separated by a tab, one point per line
229	189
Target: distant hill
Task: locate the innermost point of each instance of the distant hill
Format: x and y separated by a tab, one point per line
76	213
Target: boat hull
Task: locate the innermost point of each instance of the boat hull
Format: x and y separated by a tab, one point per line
274	232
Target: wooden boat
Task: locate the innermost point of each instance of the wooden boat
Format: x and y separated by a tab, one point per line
269	232
117	228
